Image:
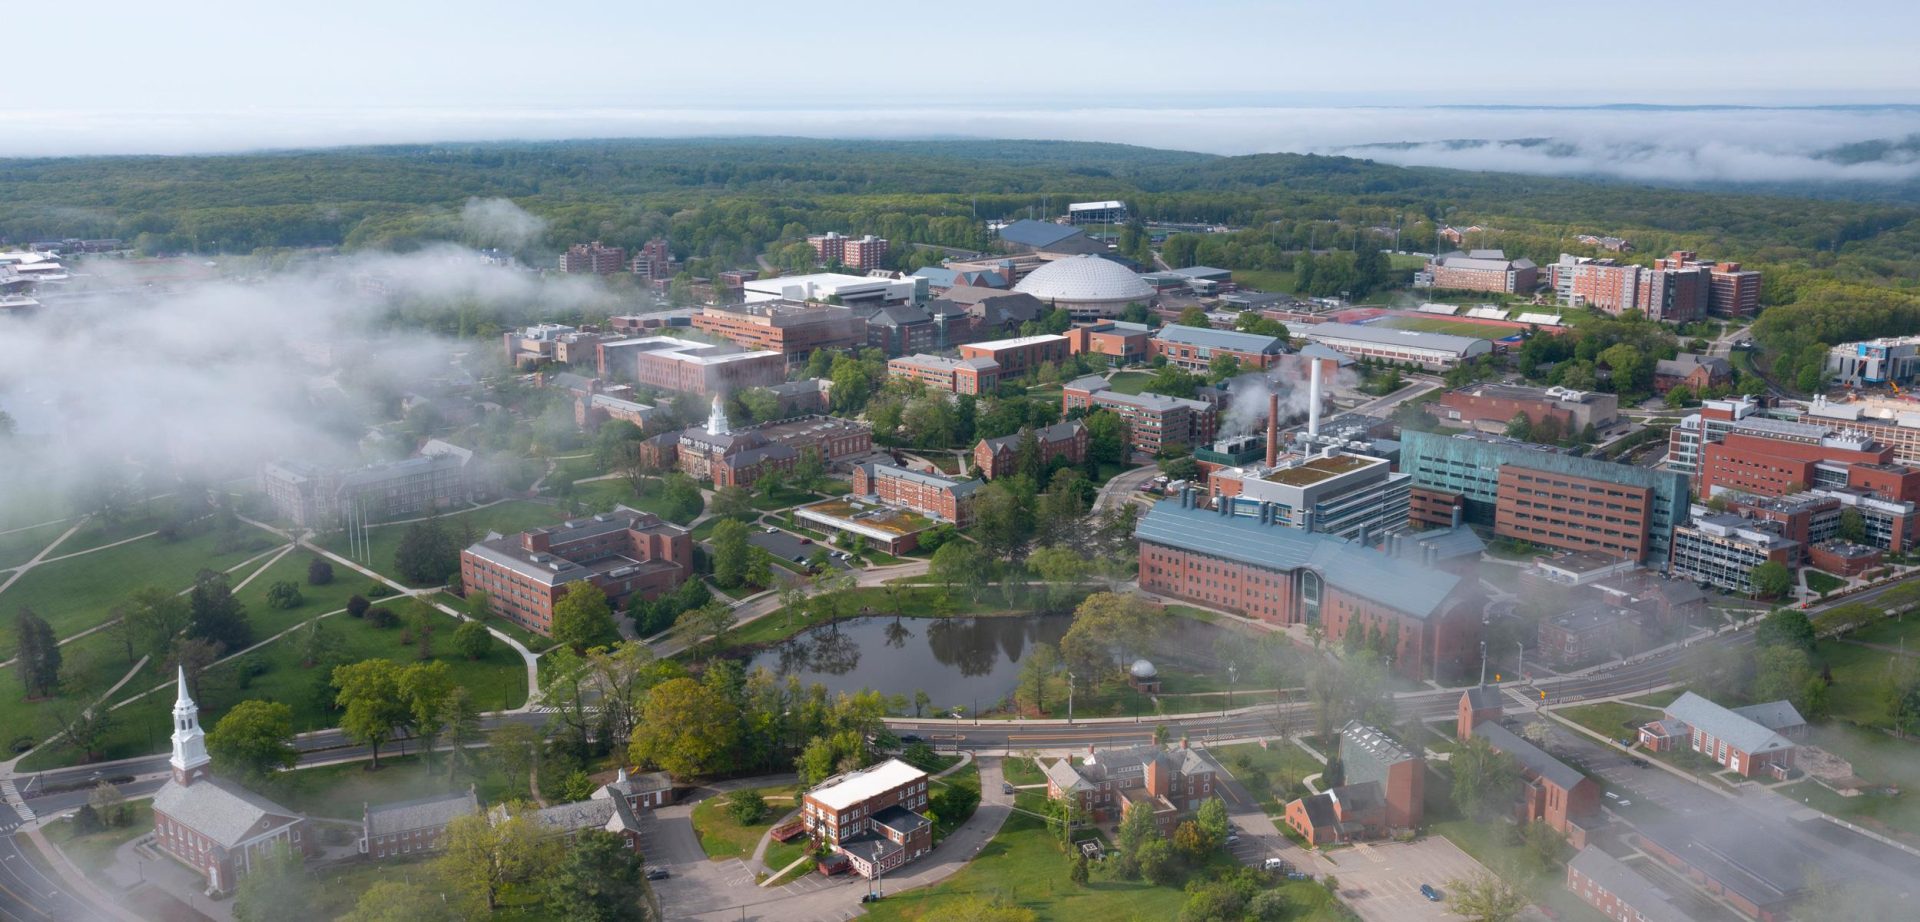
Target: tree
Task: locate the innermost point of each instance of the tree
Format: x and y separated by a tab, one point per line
472	640
357	606
1485	898
408	900
1137	828
1542	845
1078	874
1041	663
921	701
1788	626
427	553
369	692
1783	671
253	739
746	807
582	618
598	880
705	626
1061	570
150	620
515	748
730	552
759	567
214	614
1107	629
39	654
733	502
283	595
84	728
686	728
958	564
276	889
318	644
1212	819
1157	862
1853	526
1485	780
481	856
426	688
1520	427
192	656
1194	316
1771	580
680	497
109	803
1190	842
319	572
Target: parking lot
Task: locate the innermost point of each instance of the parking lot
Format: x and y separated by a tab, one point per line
1648	788
1381	881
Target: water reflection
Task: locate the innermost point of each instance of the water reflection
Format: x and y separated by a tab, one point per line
958	661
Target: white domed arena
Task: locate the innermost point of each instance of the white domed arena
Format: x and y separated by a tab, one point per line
1089	287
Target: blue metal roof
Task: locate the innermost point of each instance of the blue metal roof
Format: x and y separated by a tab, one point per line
1028	232
1400	584
1222	339
936	275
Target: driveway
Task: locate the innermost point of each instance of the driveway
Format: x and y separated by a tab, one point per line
786	546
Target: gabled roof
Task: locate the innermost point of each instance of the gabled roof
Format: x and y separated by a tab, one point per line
1485	698
1626	885
1532	758
1740	732
1058	432
424	813
1064	776
1774	715
1028	232
1403	585
222	811
1449	543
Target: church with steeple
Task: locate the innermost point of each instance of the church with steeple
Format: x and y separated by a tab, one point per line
208	823
736	457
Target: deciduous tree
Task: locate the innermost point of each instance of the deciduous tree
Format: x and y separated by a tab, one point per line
686	728
582	617
598	880
1485	898
253	739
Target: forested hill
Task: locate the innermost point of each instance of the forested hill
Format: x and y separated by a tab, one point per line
724	201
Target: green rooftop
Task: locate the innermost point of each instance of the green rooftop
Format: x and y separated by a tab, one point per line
1314	470
884	518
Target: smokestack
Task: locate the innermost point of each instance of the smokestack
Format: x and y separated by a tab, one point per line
1273	428
1313	400
1456	515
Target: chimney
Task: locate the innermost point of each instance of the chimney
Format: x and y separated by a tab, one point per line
1364	534
1457	510
1313	400
1273	428
536	541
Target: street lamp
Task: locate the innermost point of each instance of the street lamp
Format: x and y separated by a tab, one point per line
1522	669
1069	697
1233	675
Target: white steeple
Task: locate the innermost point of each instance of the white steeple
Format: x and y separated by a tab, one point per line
717	421
189	742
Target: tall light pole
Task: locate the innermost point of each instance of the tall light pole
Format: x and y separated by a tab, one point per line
1522	669
1233	675
1069	697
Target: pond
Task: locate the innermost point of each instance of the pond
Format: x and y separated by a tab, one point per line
957	661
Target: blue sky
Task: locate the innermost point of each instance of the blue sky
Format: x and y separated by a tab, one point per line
220	54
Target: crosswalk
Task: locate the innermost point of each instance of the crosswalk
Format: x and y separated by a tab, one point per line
11	796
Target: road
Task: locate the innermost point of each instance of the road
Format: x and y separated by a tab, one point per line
1122	488
27	894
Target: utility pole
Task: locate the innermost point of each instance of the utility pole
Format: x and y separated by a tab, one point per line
1069	698
1523	658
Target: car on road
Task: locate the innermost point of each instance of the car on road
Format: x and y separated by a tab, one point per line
910	738
658	874
869	897
772	530
1638	762
1428	891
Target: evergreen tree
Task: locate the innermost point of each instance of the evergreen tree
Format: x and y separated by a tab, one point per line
38	652
215	615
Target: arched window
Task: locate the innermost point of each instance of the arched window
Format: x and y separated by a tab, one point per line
1309	596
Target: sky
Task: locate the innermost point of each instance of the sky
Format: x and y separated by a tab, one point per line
1222	77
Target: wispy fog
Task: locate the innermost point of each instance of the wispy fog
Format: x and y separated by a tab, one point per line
216	375
1679	144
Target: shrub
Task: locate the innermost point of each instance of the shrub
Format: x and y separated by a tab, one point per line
319	572
357	606
382	616
747	807
284	595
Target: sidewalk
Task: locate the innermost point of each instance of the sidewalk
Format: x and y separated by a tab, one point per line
76	880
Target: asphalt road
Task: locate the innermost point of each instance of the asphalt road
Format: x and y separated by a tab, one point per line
27	894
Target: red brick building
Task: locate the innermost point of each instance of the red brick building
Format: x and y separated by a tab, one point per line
958	376
792	328
1619	892
1383	795
865	252
593	257
1154	421
1108	782
1550	790
731	458
997	457
1490	407
946	498
623	552
688	366
1022	355
1773	458
1697	372
412	827
1573	513
653	261
1843	558
1285	575
873	816
1479	270
1121	342
210	824
1750	740
1195	348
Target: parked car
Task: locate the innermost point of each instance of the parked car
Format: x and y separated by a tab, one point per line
658	874
1639	762
1612	796
1006	787
771	529
1432	895
806	540
1232	839
869	897
1274	864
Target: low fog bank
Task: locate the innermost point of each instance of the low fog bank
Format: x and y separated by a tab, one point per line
207	379
1668	144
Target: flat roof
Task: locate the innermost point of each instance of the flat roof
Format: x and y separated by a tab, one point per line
1389	336
1314	470
994	345
843	791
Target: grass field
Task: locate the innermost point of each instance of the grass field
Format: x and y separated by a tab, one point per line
1275	280
722	838
1283	763
94	851
89	666
314	600
383	540
1444	325
498	681
19	547
76	594
1129	382
1821	581
1495	845
617	492
337	791
1611	719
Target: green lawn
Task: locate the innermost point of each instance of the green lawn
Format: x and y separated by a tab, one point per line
1283	763
1129	382
1437	324
89	666
93	852
1021	770
1854	695
1822	582
914	601
338	791
498	681
1275	280
568	470
1611	719
722	838
506	518
314	600
19	547
75	594
1025	865
140	518
609	493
